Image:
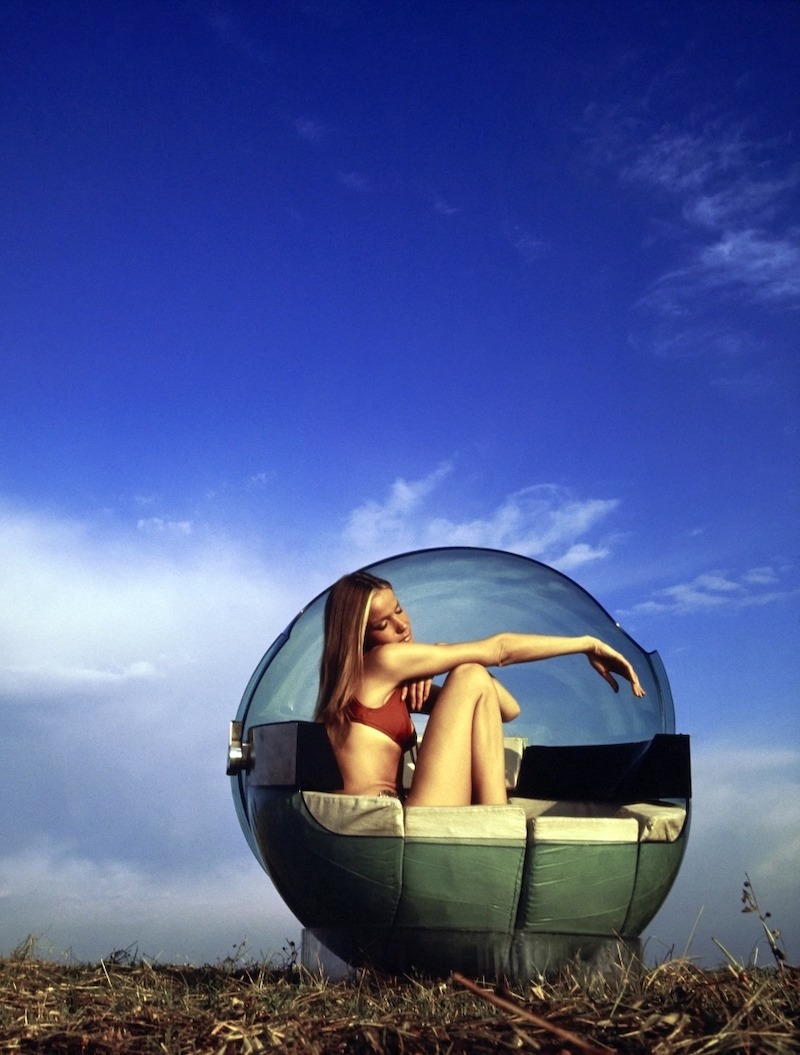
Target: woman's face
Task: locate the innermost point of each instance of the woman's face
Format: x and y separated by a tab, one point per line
387	623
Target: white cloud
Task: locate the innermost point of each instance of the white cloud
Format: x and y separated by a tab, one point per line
753	794
444	208
159	526
49	677
123	656
745	819
716	166
527	245
355	181
716	583
49	892
735	257
228	30
311	130
749	264
762	576
542	521
765	267
89	607
581	553
746	199
388	523
717	590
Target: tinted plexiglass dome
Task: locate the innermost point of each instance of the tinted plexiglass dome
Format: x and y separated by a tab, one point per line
459	594
463	594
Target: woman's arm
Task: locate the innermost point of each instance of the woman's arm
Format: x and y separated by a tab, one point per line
412	661
524	648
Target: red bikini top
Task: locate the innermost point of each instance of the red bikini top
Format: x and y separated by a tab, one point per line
392	718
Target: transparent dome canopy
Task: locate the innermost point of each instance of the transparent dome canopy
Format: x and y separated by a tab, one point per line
460	594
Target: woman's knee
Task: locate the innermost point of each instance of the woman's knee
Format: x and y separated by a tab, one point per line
470	676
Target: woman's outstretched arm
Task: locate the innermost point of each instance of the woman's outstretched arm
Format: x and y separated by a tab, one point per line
412	661
525	648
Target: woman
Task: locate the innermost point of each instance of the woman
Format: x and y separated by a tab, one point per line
373	672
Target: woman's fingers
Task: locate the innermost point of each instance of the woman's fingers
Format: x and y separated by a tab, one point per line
415	693
606	660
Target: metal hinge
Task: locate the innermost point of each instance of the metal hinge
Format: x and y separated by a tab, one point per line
240	755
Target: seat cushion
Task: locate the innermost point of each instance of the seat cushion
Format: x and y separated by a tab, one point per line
659	822
355	814
465	822
656	821
554	829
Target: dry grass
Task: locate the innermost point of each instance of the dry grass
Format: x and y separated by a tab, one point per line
127	1006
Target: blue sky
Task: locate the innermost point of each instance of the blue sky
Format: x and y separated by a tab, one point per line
295	286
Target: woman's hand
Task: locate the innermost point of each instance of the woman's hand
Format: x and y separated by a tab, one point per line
415	693
607	662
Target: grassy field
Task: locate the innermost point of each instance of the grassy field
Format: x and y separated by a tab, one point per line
125	1005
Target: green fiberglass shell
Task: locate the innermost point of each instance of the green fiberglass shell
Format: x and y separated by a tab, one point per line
599	788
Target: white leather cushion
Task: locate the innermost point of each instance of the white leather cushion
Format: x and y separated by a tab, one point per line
465	822
553	829
564	808
659	822
355	814
514	747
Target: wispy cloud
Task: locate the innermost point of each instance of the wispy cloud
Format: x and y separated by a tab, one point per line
746	818
719	590
542	521
737	250
393	521
49	891
527	245
444	207
228	30
355	181
724	201
310	130
758	786
123	656
160	526
738	264
102	605
766	268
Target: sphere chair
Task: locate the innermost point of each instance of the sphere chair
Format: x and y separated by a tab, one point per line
575	866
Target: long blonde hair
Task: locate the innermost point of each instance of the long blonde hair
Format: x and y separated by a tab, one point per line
342	664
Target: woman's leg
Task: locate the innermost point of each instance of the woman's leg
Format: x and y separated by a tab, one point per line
461	757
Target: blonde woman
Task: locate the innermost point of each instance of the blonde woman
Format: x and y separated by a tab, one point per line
373	674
